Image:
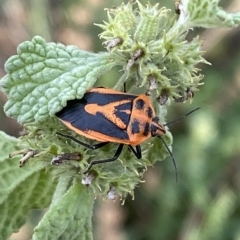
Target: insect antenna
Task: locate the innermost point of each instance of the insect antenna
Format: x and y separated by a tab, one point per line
180	118
173	159
165	144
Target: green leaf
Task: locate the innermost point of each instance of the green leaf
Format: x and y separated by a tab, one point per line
34	192
22	189
8	145
69	217
44	76
207	14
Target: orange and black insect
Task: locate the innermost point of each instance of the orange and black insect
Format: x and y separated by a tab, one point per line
107	115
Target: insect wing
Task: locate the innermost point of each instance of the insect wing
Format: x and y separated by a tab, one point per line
99	116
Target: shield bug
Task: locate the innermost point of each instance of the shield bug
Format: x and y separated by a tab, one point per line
107	115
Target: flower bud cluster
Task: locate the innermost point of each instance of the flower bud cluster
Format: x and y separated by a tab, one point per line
146	42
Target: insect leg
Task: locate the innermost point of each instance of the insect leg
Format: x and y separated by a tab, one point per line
125	87
137	152
115	157
93	147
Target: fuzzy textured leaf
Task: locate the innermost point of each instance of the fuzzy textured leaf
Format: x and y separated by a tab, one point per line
8	144
207	14
69	218
22	189
44	76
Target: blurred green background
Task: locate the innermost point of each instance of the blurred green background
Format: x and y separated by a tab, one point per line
205	203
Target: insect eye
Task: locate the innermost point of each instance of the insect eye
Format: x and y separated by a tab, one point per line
153	130
155	119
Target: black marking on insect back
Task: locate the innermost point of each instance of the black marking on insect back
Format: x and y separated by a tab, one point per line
73	110
146	129
124	107
103	99
102	125
121	112
139	105
75	114
135	126
149	112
